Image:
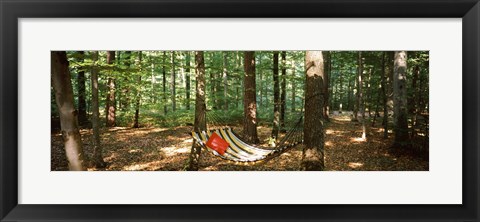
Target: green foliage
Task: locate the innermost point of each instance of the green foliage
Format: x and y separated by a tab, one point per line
141	75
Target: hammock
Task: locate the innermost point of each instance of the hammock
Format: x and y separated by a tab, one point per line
241	152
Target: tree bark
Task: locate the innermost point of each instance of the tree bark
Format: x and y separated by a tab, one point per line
276	98
82	104
314	137
66	108
110	107
400	100
250	100
97	148
200	109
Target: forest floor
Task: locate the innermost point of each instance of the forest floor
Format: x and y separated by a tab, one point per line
167	149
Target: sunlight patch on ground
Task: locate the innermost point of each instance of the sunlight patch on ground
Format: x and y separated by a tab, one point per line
328	143
355	165
135	151
110	158
357	139
171	150
344	118
142	166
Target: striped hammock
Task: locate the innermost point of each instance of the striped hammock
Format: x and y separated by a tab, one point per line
241	152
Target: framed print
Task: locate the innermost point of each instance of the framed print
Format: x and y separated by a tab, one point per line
163	77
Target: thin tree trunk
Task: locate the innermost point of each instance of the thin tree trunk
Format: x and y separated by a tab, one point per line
138	96
174	100
187	81
356	107
97	147
389	88
330	96
250	100
164	83
326	85
349	94
260	78
200	109
283	94
110	107
413	99
400	100
369	95
293	86
125	101
313	151
82	104
276	98
66	108
360	95
385	99
225	80
154	81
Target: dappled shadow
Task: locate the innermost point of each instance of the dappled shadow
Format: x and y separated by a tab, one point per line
150	148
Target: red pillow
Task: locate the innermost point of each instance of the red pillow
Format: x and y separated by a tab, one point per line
218	144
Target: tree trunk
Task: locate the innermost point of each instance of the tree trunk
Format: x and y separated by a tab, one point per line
110	106
225	81
260	82
361	103
350	92
82	104
66	108
97	148
250	100
294	88
326	85
125	89
187	81
283	94
369	94
313	151
356	107
389	88
400	100
138	96
174	100
239	67
413	99
385	99
200	109
154	81
164	84
276	98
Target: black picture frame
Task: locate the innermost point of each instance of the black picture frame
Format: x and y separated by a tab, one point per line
11	11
